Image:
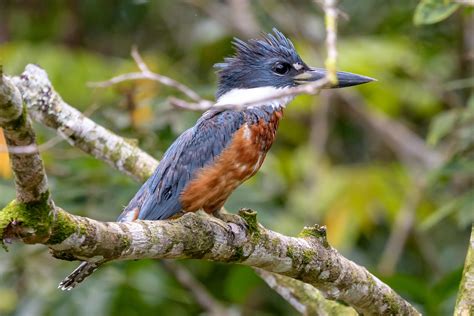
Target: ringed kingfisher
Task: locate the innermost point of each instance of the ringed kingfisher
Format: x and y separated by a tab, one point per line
227	145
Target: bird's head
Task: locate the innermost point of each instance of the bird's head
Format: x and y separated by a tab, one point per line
259	67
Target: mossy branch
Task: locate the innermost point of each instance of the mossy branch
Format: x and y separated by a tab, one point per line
199	236
30	177
46	106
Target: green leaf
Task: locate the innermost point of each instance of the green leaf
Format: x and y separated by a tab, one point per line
410	286
441	126
448	285
433	11
462	204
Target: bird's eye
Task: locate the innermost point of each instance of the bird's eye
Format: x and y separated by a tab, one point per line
281	68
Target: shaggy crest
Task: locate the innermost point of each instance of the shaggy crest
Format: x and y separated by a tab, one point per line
270	45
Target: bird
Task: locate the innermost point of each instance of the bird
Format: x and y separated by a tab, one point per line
228	144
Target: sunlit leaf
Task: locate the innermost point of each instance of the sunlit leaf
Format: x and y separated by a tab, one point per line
448	284
8	301
411	286
433	11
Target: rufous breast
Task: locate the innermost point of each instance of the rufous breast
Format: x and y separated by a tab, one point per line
240	160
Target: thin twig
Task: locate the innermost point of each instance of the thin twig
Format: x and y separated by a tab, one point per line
401	230
31	149
330	10
139	60
409	147
191	106
200	104
195	288
149	75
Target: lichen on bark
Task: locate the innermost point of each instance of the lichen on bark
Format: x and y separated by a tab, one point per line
45	105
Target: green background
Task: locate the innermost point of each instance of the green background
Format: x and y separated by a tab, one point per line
328	165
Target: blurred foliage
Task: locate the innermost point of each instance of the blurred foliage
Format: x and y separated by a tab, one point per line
326	166
454	129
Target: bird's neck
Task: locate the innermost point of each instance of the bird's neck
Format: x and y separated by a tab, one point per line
253	98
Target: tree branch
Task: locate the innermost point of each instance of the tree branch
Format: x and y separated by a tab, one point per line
308	258
146	73
30	177
306	299
47	107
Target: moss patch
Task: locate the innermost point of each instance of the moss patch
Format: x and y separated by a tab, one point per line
315	231
250	218
238	255
307	256
63	227
31	222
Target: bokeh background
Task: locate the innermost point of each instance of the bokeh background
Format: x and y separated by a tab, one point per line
387	166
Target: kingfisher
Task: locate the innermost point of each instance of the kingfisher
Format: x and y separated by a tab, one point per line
228	144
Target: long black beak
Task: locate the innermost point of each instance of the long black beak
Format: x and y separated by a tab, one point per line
345	79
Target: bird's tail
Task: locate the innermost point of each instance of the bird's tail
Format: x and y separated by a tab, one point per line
77	276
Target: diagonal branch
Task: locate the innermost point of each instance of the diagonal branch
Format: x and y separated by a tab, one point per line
198	291
306	299
47	107
409	147
146	73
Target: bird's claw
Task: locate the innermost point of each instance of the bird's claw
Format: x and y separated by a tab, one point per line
224	216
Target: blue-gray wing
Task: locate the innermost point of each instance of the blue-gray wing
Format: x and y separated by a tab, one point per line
159	197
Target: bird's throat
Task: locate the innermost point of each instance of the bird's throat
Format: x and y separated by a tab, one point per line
253	97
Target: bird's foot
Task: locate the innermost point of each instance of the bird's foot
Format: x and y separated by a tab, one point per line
227	217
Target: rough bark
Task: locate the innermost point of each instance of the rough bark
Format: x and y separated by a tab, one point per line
308	258
30	177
